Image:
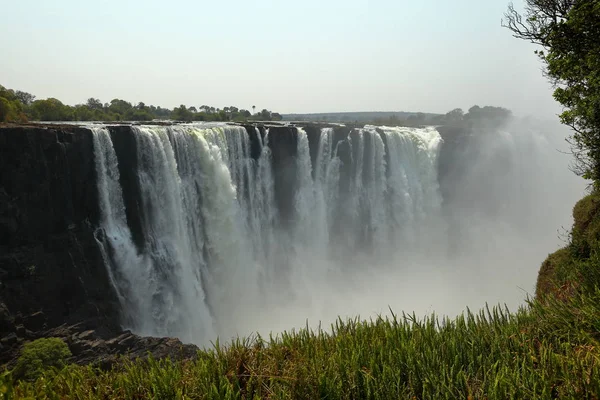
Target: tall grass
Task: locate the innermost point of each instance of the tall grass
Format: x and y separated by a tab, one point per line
547	350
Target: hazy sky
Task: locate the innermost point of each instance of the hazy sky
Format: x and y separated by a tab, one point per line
301	56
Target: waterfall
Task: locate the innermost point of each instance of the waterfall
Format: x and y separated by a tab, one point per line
215	257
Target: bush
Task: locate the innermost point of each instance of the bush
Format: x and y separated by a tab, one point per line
40	355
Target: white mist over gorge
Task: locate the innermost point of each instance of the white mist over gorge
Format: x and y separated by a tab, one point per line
215	230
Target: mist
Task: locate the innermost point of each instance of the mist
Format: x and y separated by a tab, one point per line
508	207
318	226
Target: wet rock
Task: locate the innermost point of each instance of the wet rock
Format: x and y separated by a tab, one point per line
77	347
35	321
7	322
85	335
9	339
21	331
283	142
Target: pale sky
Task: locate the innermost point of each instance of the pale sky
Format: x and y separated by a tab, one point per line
301	56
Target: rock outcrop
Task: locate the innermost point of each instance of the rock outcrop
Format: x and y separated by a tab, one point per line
101	347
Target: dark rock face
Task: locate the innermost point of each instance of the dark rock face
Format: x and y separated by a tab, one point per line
125	146
7	321
313	133
453	159
51	269
44	180
283	141
256	135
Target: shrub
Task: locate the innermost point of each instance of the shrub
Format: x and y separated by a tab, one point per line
40	355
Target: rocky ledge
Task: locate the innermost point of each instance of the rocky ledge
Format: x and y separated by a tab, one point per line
99	347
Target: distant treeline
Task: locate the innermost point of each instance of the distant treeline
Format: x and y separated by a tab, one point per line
18	106
476	114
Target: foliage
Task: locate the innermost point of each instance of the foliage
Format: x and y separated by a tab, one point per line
575	268
51	110
40	355
569	32
20	106
11	108
548	350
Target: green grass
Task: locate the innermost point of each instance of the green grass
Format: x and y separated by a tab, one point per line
547	350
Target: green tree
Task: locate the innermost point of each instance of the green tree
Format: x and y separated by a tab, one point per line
139	114
265	115
7	113
182	113
17	106
95	104
568	32
39	355
24	97
51	110
82	112
119	106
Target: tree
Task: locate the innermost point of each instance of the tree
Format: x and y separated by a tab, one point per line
455	115
6	110
51	110
24	97
18	106
119	106
181	113
265	115
569	33
40	355
94	104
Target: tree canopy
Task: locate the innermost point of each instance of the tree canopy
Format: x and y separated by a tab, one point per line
18	106
568	32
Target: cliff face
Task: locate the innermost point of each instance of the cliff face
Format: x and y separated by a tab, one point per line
52	273
51	269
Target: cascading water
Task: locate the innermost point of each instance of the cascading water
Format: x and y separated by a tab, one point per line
215	257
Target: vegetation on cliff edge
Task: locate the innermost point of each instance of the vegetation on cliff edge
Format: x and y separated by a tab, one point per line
18	106
568	32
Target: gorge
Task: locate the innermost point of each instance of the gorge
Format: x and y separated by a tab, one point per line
199	231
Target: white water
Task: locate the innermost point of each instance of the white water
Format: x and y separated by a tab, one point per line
216	261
